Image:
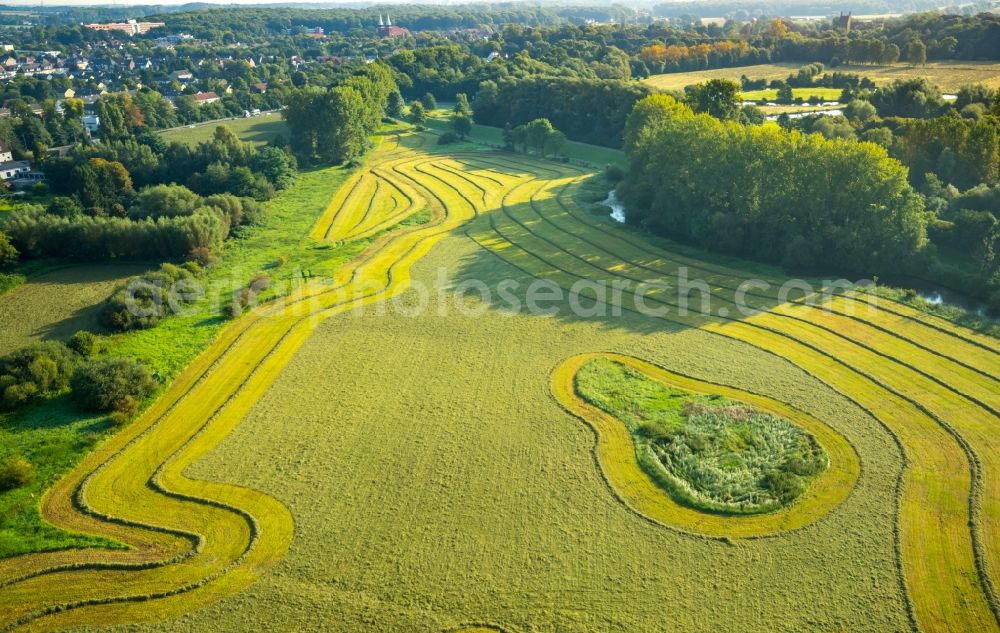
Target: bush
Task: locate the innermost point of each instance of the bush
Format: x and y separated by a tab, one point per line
203	256
164	201
65	207
448	138
39	370
8	254
143	302
15	473
107	384
260	282
125	411
232	310
84	343
614	174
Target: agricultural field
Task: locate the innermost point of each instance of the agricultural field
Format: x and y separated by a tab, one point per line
824	94
56	304
440	472
949	76
259	130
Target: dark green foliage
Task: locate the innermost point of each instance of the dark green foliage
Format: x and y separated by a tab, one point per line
429	101
276	165
718	97
709	452
395	105
37	371
65	207
588	111
164	201
768	194
332	125
16	472
142	303
448	138
418	114
38	234
8	253
908	98
105	384
84	343
461	124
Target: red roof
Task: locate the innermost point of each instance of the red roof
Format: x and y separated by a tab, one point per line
205	96
392	31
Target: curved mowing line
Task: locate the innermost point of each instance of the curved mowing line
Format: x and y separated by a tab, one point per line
410	245
816	322
642	244
616	454
973	502
982	553
722	281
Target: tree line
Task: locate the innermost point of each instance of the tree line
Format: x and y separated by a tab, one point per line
332	125
770	194
590	111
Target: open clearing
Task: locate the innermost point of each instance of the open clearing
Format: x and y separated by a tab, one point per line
420	469
258	130
949	76
56	304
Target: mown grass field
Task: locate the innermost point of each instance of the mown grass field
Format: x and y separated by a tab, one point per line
326	464
949	76
825	94
56	304
55	435
258	130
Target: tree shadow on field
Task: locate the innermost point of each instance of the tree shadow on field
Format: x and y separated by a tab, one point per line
576	272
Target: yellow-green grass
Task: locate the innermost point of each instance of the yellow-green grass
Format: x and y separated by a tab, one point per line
616	454
55	435
237	532
944	412
769	110
437	483
258	130
56	304
948	75
886	394
824	94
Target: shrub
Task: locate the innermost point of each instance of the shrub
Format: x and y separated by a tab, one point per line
65	207
143	302
232	310
614	174
84	343
125	411
260	282
38	370
202	255
448	138
15	473
164	201
8	254
107	384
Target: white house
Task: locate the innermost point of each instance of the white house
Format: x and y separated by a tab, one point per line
11	170
92	122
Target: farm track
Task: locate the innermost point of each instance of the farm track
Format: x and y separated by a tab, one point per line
933	385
